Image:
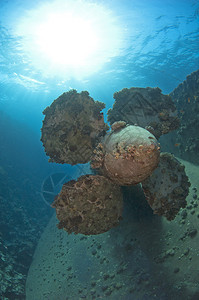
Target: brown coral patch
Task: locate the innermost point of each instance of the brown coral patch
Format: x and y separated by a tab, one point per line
72	126
145	107
90	205
167	188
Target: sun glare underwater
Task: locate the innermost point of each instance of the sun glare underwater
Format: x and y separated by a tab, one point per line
69	38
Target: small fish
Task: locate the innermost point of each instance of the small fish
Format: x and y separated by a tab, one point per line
182	111
189	100
195	97
177	144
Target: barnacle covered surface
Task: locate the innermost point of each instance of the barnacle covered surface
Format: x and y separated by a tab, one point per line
118	125
73	124
146	107
127	155
186	98
167	188
90	205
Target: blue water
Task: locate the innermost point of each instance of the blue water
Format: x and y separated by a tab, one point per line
159	47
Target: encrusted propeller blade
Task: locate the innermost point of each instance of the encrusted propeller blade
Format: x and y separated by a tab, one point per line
145	107
90	205
72	126
167	188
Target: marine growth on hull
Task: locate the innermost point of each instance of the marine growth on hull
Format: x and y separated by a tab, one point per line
74	132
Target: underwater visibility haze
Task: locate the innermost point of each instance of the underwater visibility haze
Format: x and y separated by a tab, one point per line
99	149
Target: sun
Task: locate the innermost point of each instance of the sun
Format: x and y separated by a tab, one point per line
69	38
66	39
